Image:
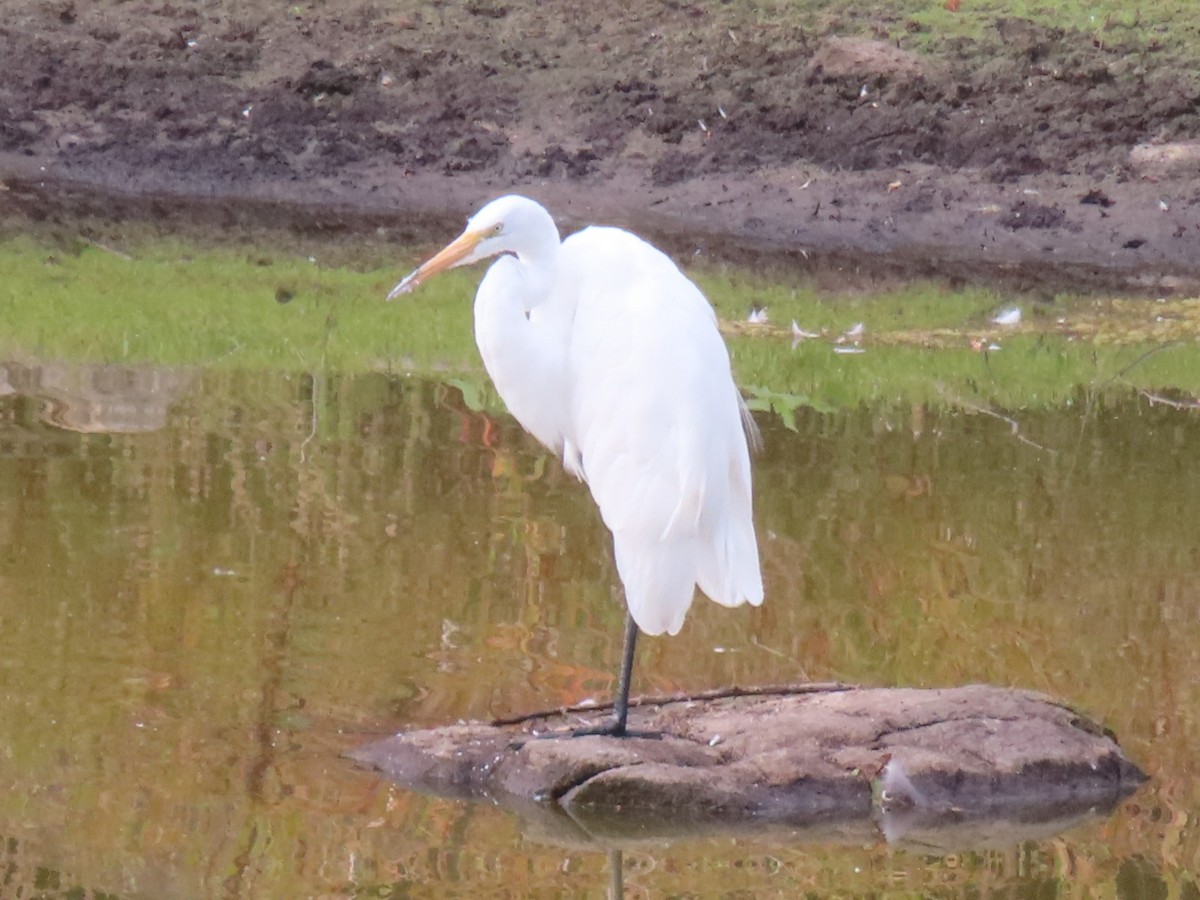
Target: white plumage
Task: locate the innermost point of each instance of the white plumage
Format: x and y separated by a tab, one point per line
606	353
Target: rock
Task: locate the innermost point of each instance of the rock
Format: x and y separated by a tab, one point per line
814	756
1176	160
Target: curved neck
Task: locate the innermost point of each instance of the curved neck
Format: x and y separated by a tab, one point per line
522	325
537	269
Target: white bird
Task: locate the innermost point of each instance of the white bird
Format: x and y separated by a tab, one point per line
1008	317
606	353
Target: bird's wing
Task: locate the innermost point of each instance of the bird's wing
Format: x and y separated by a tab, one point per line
657	422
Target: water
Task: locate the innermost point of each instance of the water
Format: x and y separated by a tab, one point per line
212	583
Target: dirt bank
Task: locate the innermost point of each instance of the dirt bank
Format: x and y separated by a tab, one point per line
1007	154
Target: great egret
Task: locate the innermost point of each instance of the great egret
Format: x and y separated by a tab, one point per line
607	354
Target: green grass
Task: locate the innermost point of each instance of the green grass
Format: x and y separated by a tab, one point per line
220	307
922	24
928	25
165	303
787	297
1144	25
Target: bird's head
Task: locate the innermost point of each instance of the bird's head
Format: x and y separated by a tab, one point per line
509	224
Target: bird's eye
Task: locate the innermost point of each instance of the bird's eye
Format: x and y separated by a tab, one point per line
496	230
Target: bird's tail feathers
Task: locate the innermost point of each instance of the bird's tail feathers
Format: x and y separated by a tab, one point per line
729	573
659	579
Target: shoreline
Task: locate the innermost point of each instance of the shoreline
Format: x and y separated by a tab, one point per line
804	220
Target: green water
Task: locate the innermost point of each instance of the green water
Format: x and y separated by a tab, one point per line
260	570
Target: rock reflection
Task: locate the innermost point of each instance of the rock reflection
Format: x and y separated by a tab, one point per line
932	836
97	398
933	832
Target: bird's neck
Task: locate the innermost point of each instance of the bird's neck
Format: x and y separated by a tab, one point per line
537	269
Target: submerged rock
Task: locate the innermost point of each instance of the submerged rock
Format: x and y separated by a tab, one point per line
794	756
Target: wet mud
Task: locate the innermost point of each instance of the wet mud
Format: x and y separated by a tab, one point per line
1021	152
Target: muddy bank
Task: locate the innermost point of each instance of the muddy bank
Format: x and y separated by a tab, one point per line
1010	155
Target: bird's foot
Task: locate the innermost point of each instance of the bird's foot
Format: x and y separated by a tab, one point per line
612	729
609	729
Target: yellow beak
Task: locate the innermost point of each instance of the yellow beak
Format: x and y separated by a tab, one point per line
447	258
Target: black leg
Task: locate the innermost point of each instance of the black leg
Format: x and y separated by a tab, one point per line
621	703
617	724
